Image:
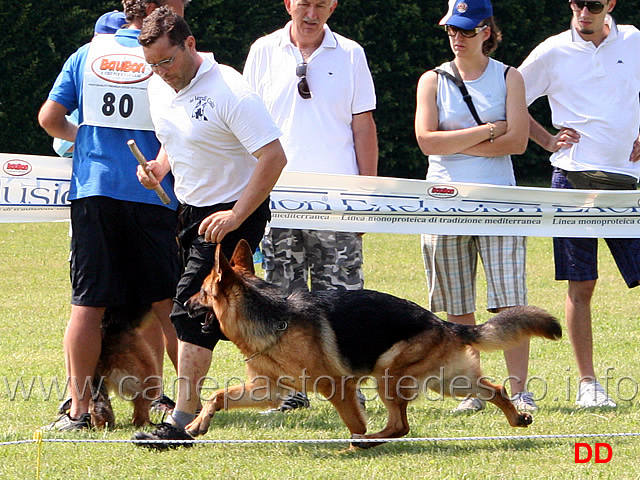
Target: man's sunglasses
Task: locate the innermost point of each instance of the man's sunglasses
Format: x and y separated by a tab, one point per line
166	63
303	86
451	31
593	7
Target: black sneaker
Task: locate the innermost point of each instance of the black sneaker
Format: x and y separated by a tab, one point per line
163	404
160	409
67	424
164	431
291	402
65	406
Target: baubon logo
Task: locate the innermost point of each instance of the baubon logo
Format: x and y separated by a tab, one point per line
442	191
121	68
17	167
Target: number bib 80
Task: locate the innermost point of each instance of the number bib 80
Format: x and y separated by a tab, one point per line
115	86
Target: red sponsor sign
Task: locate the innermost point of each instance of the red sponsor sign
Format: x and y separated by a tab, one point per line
443	191
16	167
121	68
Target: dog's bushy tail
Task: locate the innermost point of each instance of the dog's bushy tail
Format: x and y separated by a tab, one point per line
511	326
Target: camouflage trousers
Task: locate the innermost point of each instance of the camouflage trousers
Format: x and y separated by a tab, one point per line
332	259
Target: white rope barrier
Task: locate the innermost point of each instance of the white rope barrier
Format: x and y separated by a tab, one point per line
332	440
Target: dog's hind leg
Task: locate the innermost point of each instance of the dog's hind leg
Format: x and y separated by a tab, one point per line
397	423
344	399
100	408
142	401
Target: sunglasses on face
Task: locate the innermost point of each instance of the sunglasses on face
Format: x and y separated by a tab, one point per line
593	7
303	86
452	31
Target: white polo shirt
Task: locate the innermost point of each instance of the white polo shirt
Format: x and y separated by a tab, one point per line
209	130
317	133
595	92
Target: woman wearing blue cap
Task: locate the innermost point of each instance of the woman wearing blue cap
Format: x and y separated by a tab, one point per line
471	142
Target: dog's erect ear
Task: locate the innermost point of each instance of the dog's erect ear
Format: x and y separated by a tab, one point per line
221	267
243	257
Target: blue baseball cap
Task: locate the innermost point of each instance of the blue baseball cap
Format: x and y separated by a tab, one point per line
467	14
110	22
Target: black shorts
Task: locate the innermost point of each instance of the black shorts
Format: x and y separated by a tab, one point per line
122	253
198	257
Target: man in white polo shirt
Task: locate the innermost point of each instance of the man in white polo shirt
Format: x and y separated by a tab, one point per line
318	88
591	76
222	147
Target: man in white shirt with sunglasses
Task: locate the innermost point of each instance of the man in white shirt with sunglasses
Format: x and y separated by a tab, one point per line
591	77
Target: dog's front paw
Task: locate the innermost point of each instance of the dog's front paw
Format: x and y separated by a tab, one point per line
358	444
524	420
200	425
363	445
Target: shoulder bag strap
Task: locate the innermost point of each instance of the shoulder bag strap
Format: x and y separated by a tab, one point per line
457	80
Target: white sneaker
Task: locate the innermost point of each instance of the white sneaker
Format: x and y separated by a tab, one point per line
524	402
469	405
591	394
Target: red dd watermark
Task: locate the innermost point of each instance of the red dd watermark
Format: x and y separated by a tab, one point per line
584	453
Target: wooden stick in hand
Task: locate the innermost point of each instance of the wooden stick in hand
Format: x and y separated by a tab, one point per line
143	162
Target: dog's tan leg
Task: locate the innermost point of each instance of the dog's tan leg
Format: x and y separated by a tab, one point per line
150	371
344	399
397	423
502	401
101	411
247	395
141	408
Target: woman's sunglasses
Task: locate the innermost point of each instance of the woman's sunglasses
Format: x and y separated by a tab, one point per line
451	31
593	7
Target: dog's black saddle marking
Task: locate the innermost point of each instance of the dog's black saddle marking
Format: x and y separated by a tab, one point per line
123	318
367	323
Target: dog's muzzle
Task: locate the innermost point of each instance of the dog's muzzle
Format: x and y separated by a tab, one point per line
196	310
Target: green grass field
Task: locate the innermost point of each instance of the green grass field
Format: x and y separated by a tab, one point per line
34	284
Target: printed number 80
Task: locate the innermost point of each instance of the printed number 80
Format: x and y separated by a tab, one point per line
125	105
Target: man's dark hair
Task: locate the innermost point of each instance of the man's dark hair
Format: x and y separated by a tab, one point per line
138	8
163	21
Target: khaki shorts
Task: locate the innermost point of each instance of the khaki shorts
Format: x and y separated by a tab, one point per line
451	263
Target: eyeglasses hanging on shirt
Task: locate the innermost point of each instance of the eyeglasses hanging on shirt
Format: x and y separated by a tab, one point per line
303	85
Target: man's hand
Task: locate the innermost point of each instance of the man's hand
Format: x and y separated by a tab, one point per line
565	138
158	171
217	225
635	153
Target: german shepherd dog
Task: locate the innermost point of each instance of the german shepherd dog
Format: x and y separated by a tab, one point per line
130	363
331	340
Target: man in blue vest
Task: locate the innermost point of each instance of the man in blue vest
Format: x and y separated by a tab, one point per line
123	249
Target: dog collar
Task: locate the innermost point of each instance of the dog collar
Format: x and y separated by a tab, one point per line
281	326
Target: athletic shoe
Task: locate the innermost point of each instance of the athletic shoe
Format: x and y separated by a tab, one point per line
291	402
469	405
163	404
591	394
65	406
164	431
67	424
524	402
